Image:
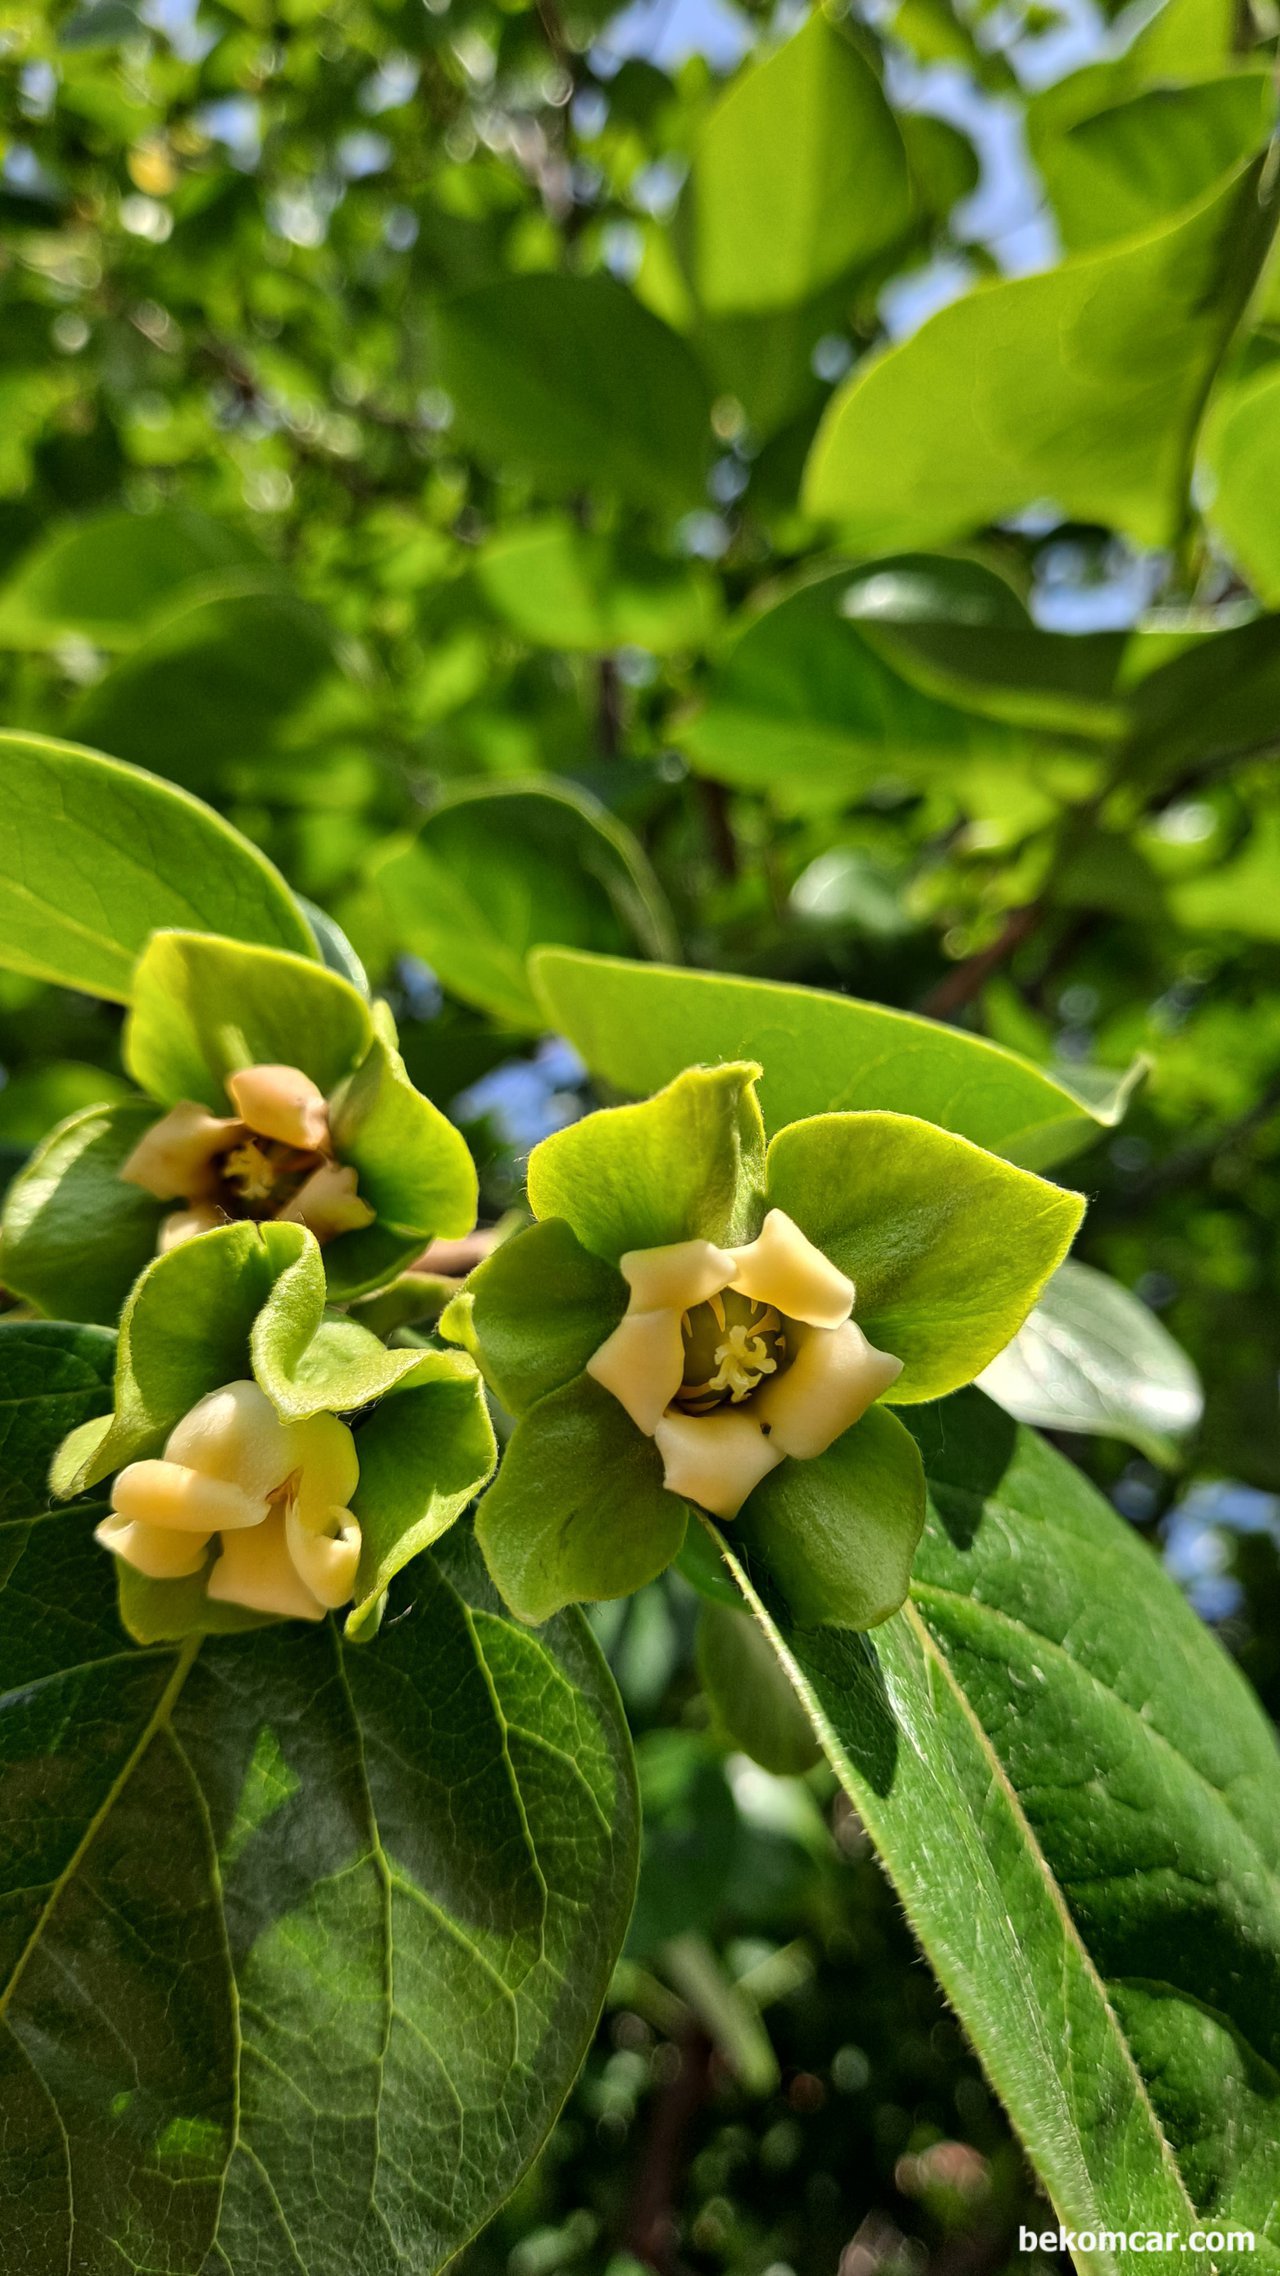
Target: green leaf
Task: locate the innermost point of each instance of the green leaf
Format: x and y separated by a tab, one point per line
538	1308
947	1245
96	856
208	684
578	1511
569	380
1091	1357
107	577
1242	459
499	870
809	705
838	1533
799	174
686	1165
560	586
751	1699
303	1944
1084	385
204	1008
1123	169
424	1452
1216	698
413	1168
1078	1800
52	1090
636	1026
1241	895
74	1237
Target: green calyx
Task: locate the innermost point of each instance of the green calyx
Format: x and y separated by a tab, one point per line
245	1306
381	1173
947	1247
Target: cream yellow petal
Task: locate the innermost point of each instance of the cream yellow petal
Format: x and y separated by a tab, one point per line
174	1158
329	1471
184	1224
783	1268
674	1277
642	1364
325	1555
155	1550
185	1501
256	1570
715	1460
235	1433
328	1204
282	1103
832	1380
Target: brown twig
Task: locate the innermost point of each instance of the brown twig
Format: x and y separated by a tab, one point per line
714	800
453	1260
967	980
652	2229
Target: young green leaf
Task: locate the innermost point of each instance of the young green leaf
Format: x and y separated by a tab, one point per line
1078	1799
751	1700
1084	385
799	174
213	680
106	578
637	1026
424	1452
95	856
539	1307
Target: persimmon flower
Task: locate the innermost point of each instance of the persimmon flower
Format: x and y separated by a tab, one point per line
272	1158
732	1359
274	1497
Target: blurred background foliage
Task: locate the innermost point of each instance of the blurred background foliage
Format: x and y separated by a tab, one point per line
457	438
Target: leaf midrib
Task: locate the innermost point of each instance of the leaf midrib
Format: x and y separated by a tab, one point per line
996	1614
1071	1933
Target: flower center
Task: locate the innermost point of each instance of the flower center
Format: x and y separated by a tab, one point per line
730	1344
260	1175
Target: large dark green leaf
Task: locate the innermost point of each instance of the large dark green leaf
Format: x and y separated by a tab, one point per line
300	1944
107	577
806	705
570	381
499	870
1079	1801
215	682
638	1025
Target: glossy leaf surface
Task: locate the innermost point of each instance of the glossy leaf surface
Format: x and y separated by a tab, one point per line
637	1026
1092	1357
1048	1709
95	856
269	1994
